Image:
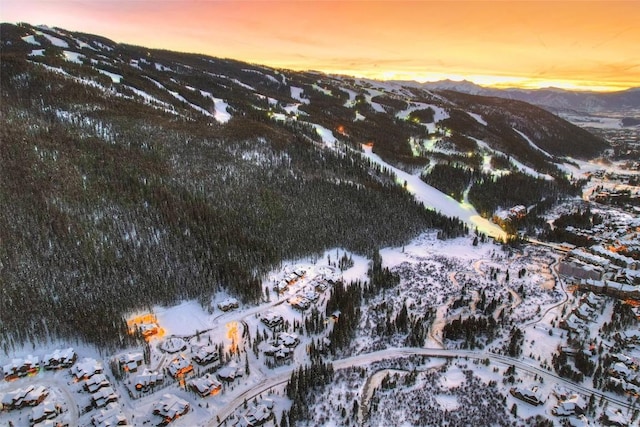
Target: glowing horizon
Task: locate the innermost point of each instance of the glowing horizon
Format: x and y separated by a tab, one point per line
567	44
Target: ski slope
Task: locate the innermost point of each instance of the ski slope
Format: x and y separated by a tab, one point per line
435	199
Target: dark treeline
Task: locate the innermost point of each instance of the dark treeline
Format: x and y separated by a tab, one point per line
450	179
490	193
578	219
302	382
344	305
110	205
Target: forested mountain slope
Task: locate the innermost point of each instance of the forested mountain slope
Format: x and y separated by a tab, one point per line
131	177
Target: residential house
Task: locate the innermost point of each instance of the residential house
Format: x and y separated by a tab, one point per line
147	379
228	304
96	382
271	319
46	410
129	362
257	415
60	359
104	396
229	373
179	366
206	386
170	407
529	395
20	367
86	368
569	407
109	416
206	354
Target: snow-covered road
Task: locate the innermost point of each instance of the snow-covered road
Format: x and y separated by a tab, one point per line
282	376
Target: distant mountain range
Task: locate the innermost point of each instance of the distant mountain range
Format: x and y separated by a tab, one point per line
553	99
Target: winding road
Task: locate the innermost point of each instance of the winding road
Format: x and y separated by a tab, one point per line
282	376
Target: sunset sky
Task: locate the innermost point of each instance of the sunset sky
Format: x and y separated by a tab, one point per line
572	44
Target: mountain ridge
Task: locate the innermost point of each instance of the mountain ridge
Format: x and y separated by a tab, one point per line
550	97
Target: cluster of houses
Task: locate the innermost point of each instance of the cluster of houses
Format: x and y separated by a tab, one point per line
624	374
257	415
21	367
281	348
602	271
618	196
30	365
141	381
43	412
170	408
289	280
578	320
90	371
22	397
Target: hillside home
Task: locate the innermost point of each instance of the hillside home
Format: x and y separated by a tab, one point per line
271	319
170	408
147	379
109	416
529	395
179	366
228	304
86	368
206	386
20	367
129	362
47	410
205	355
96	382
60	359
104	396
